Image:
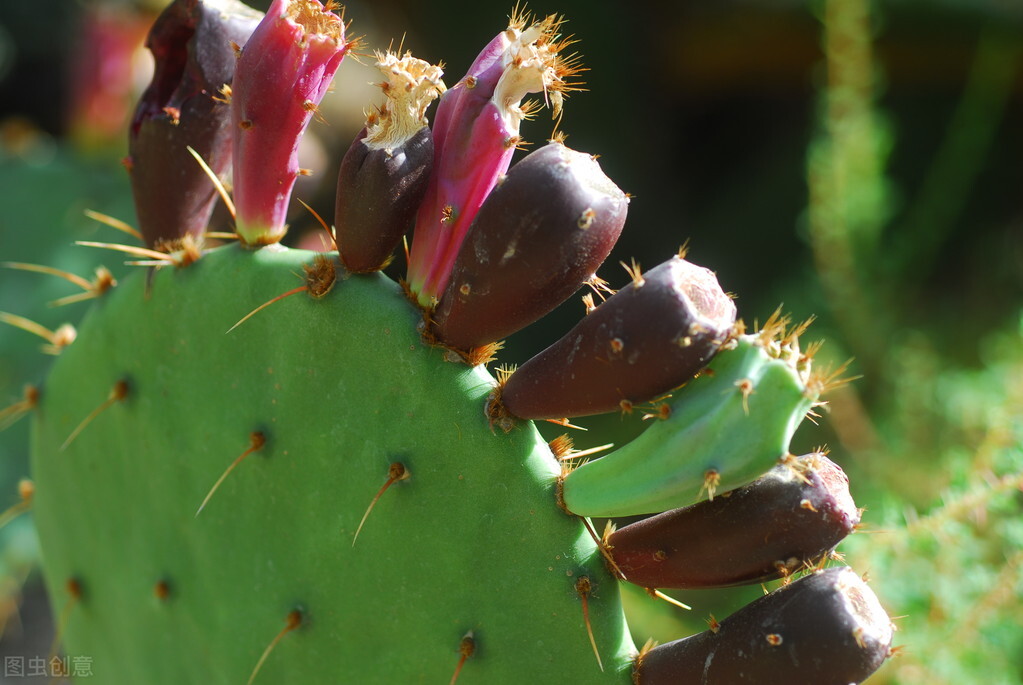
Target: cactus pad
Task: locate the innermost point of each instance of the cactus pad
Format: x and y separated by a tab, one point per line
340	387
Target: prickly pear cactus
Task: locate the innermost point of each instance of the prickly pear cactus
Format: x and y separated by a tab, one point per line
241	476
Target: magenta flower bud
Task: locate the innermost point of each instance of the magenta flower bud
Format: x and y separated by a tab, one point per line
539	236
385	172
475	134
784	521
282	75
192	46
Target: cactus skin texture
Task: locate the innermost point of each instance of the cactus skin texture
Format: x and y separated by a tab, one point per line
367	522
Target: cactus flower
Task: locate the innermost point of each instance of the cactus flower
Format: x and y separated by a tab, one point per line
191	44
282	74
475	133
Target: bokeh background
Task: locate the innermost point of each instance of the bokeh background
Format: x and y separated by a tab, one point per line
855	161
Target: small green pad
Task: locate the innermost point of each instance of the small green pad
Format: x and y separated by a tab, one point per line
735	420
341	387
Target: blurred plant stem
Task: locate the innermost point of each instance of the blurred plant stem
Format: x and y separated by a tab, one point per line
849	201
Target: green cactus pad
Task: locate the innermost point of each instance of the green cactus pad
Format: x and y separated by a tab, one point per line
735	420
341	387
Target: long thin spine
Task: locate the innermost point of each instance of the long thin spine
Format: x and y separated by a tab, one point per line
293	621
256	442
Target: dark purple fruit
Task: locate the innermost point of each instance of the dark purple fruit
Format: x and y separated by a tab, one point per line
790	517
827	628
379	190
193	45
540	234
650	337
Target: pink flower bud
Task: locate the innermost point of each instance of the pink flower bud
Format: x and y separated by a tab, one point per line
475	134
281	77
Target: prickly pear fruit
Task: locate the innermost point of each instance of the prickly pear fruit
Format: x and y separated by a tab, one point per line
475	133
282	75
649	337
384	174
317	494
786	520
564	213
192	45
827	628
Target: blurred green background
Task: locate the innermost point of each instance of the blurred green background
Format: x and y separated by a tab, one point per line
858	162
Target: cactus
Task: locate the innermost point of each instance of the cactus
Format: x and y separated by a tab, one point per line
232	486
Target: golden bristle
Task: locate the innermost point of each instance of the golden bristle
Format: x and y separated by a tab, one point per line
561	446
635	273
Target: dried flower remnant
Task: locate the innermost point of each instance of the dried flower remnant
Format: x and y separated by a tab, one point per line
384	174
